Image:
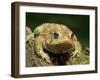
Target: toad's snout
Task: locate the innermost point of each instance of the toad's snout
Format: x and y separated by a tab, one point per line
63	47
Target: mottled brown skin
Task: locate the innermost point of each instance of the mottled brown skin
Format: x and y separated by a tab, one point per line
29	34
55	43
28	30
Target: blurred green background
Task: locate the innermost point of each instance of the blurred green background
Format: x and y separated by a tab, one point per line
79	24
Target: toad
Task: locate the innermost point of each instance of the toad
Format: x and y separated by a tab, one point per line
55	43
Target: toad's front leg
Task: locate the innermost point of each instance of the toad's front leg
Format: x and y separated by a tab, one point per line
38	46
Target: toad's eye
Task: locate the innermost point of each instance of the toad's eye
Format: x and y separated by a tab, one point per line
72	35
56	35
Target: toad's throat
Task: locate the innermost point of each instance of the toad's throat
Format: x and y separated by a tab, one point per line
59	58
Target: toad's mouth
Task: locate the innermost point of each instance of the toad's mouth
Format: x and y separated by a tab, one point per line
60	57
51	52
61	48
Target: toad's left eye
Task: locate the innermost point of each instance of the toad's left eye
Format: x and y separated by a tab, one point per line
72	35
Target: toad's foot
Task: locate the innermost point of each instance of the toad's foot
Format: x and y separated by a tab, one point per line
45	57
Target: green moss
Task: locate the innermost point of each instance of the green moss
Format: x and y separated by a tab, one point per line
81	58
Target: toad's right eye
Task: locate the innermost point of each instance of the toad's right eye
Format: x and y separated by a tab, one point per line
56	35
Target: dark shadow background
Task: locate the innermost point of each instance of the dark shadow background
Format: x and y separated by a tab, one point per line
79	24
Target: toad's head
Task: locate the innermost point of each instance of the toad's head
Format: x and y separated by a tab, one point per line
56	38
